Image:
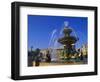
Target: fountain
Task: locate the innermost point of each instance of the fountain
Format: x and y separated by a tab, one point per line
68	41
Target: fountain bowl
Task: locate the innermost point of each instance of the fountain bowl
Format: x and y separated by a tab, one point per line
68	40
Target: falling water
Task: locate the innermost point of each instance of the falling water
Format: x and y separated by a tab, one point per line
54	56
53	45
52	36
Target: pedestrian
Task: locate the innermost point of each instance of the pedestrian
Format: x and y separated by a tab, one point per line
37	60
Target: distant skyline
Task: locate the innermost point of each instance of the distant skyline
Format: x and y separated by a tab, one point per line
40	28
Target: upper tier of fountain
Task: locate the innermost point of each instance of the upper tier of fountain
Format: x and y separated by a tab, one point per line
67	39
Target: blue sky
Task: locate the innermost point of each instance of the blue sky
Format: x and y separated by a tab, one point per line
40	29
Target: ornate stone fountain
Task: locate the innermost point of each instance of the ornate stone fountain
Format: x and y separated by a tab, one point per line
68	41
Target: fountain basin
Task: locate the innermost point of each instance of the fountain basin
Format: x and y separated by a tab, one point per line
68	40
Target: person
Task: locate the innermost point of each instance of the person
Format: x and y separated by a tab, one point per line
30	59
81	56
78	54
37	60
48	57
37	57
